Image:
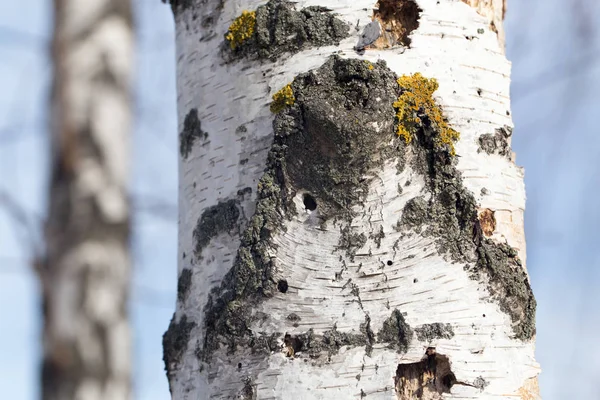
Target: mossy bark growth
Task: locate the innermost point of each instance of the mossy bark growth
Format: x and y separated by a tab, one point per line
277	27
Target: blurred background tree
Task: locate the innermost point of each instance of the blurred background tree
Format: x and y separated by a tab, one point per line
85	271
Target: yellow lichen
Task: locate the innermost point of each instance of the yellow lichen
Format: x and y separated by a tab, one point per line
241	29
417	100
369	65
283	98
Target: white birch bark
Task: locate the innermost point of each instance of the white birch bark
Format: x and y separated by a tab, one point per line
86	271
454	44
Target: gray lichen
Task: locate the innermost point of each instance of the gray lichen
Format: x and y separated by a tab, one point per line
192	131
280	28
217	219
496	143
437	330
175	341
396	332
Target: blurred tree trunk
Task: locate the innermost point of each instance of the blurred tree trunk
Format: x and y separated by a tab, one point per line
337	240
86	272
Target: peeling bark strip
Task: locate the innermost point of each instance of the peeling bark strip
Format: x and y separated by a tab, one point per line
276	28
86	271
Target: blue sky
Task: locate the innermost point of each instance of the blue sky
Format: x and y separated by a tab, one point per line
555	49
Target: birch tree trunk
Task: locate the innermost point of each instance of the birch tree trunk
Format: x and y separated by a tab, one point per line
85	274
351	215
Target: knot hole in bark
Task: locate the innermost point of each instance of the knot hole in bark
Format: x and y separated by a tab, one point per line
426	379
398	18
309	202
282	286
293	344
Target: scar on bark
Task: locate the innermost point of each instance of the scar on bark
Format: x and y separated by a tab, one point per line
426	379
487	221
398	18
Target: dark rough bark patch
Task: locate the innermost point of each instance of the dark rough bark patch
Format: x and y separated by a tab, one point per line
192	131
496	143
293	317
395	332
351	241
452	219
509	285
330	342
175	341
330	131
437	330
215	220
414	213
183	284
325	144
280	28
